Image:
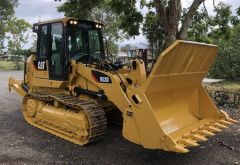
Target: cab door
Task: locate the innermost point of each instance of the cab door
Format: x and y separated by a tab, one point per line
51	55
57	61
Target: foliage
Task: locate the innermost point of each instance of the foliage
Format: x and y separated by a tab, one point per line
210	29
166	21
112	47
81	9
6	13
154	33
103	14
17	34
222	29
227	65
17	37
163	16
200	28
222	22
10	65
129	17
169	14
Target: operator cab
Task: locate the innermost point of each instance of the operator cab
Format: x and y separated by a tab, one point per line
62	40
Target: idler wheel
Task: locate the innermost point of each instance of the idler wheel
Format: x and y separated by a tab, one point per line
32	106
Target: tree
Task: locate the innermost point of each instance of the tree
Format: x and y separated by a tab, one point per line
227	65
211	29
6	13
81	9
169	13
112	48
17	37
111	32
153	33
199	30
226	33
129	18
222	29
96	10
222	22
124	13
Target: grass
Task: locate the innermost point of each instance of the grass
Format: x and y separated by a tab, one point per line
225	86
231	86
10	65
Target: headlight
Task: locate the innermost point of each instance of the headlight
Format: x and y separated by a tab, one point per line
99	26
73	22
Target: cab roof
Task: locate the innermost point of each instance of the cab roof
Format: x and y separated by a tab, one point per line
65	21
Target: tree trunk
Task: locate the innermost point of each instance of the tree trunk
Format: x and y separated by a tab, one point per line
17	62
169	18
189	18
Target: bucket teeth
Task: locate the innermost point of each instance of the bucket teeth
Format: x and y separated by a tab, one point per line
189	142
232	121
198	137
224	122
220	125
181	149
213	129
200	134
206	133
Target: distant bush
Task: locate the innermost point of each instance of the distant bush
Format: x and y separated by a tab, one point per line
10	65
227	65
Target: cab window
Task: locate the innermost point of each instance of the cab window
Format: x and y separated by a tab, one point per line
94	43
76	41
57	59
43	46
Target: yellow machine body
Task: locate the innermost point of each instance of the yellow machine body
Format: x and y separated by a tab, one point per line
168	110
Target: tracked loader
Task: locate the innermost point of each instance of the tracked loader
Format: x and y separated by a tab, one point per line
69	86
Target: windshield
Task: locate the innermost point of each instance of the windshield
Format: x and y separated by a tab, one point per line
84	40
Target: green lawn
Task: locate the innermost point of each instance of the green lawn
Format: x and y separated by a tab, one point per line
10	65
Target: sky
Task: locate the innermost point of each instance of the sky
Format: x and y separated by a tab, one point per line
34	10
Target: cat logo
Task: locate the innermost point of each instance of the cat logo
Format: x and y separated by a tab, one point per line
41	65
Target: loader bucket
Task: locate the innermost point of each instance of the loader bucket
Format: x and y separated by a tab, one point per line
180	112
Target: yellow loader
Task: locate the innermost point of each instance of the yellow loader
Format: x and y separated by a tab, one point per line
69	86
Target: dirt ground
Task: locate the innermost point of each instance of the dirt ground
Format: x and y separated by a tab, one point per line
21	143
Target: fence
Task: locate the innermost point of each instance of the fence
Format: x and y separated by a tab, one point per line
226	98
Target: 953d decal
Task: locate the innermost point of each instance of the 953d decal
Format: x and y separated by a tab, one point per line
101	77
